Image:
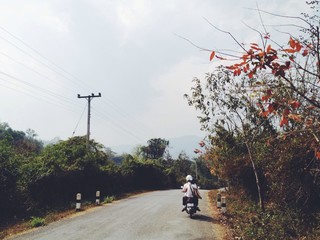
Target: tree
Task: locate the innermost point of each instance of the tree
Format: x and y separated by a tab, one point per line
155	149
269	94
16	152
228	106
291	94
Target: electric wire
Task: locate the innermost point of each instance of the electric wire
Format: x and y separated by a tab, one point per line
27	89
74	131
44	57
103	116
33	70
109	102
43	90
35	96
39	61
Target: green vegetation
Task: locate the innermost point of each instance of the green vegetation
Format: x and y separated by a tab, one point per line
37	222
109	199
36	180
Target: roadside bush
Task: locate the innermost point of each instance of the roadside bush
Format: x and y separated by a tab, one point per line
37	222
108	199
276	222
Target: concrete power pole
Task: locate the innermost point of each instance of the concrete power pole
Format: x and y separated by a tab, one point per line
89	98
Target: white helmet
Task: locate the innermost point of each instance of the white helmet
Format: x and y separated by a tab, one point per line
189	178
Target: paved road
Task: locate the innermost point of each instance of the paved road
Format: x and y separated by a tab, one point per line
154	215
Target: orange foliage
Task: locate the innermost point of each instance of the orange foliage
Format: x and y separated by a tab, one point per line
256	58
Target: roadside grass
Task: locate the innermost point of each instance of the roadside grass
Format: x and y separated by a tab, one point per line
247	221
37	222
109	199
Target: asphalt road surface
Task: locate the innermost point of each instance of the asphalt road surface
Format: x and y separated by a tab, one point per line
151	216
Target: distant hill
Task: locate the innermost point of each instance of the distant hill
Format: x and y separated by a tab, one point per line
186	144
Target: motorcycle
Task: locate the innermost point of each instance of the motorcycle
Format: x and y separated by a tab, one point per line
190	207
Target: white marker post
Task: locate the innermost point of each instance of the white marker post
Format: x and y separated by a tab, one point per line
219	200
78	202
223	205
97	197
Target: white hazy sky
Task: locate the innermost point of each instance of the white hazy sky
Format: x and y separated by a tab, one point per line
52	50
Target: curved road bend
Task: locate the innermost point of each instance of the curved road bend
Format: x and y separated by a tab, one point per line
148	216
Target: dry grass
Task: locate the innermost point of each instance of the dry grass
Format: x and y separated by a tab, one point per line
221	227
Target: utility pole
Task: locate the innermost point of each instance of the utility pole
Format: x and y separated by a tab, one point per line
89	98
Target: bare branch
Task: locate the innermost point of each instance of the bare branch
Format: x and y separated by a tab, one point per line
264	27
193	44
240	45
282	16
222	52
255	31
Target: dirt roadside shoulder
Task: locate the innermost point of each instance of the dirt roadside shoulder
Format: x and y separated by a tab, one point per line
222	230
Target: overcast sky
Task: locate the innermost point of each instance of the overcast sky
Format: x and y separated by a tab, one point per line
129	51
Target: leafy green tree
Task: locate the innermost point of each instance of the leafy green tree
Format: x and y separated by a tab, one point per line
72	155
16	151
182	167
155	149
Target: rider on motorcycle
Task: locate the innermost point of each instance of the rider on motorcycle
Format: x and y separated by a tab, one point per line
190	189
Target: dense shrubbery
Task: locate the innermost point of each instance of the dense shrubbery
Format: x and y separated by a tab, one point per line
34	179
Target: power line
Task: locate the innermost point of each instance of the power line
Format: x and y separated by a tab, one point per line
78	121
61	73
42	90
119	126
31	69
85	86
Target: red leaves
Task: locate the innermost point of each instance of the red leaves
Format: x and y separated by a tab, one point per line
221	58
270	50
266	36
271	108
257	58
279	70
202	144
267	96
295	104
250	75
213	53
295	46
295	117
289	50
256	48
305	52
264	114
254	59
197	151
237	72
284	121
287	106
292	42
